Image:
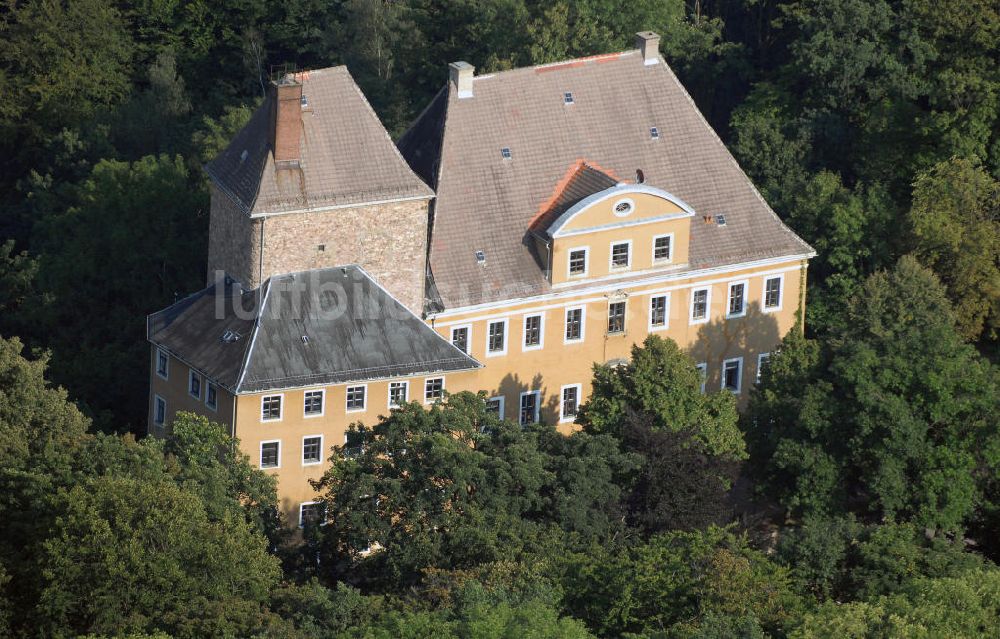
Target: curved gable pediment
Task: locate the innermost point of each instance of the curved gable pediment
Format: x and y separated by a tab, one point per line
619	206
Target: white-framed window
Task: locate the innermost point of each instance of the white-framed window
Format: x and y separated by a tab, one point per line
659	312
703	372
534	332
310	512
356	397
577	262
433	389
621	255
312	450
574	325
736	304
732	374
616	318
762	359
530	403
159	411
701	302
270	453
162	363
663	248
569	402
495	405
460	337
496	338
314	403
773	287
270	408
399	393
211	395
194	385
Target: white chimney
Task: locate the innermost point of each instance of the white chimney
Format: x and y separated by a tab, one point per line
648	43
460	74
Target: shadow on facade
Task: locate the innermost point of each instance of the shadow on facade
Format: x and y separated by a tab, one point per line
748	336
511	387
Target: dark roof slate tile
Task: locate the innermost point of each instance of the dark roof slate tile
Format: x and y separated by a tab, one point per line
354	330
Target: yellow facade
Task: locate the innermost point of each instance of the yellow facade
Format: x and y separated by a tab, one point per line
518	369
651	216
514	368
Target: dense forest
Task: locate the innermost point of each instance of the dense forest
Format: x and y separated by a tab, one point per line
858	495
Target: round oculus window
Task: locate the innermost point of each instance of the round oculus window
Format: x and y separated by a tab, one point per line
623	207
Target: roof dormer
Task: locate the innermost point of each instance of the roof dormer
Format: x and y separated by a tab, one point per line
596	226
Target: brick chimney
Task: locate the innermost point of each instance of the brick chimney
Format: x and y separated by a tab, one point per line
460	74
286	123
648	43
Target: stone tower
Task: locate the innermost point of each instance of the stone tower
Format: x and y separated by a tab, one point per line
312	181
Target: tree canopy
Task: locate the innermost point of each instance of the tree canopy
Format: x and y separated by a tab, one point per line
870	446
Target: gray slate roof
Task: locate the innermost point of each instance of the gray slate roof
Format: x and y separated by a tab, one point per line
487	203
355	331
347	155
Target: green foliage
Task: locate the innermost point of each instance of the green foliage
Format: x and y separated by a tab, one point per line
101	534
60	61
680	486
17	273
892	418
674	582
453	487
211	464
840	111
661	381
852	233
960	607
144	217
215	134
131	556
839	558
955	228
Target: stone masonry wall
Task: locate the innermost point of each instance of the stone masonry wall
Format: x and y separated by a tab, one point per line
232	241
387	240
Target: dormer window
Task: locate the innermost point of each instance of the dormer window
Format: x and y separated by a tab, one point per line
505	152
578	262
567	98
620	255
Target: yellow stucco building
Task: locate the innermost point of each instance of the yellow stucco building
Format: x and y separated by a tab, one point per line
560	214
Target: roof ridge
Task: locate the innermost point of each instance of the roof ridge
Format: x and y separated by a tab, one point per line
248	353
560	64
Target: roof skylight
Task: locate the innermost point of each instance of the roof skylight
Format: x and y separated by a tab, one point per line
567	98
654	133
505	152
720	220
